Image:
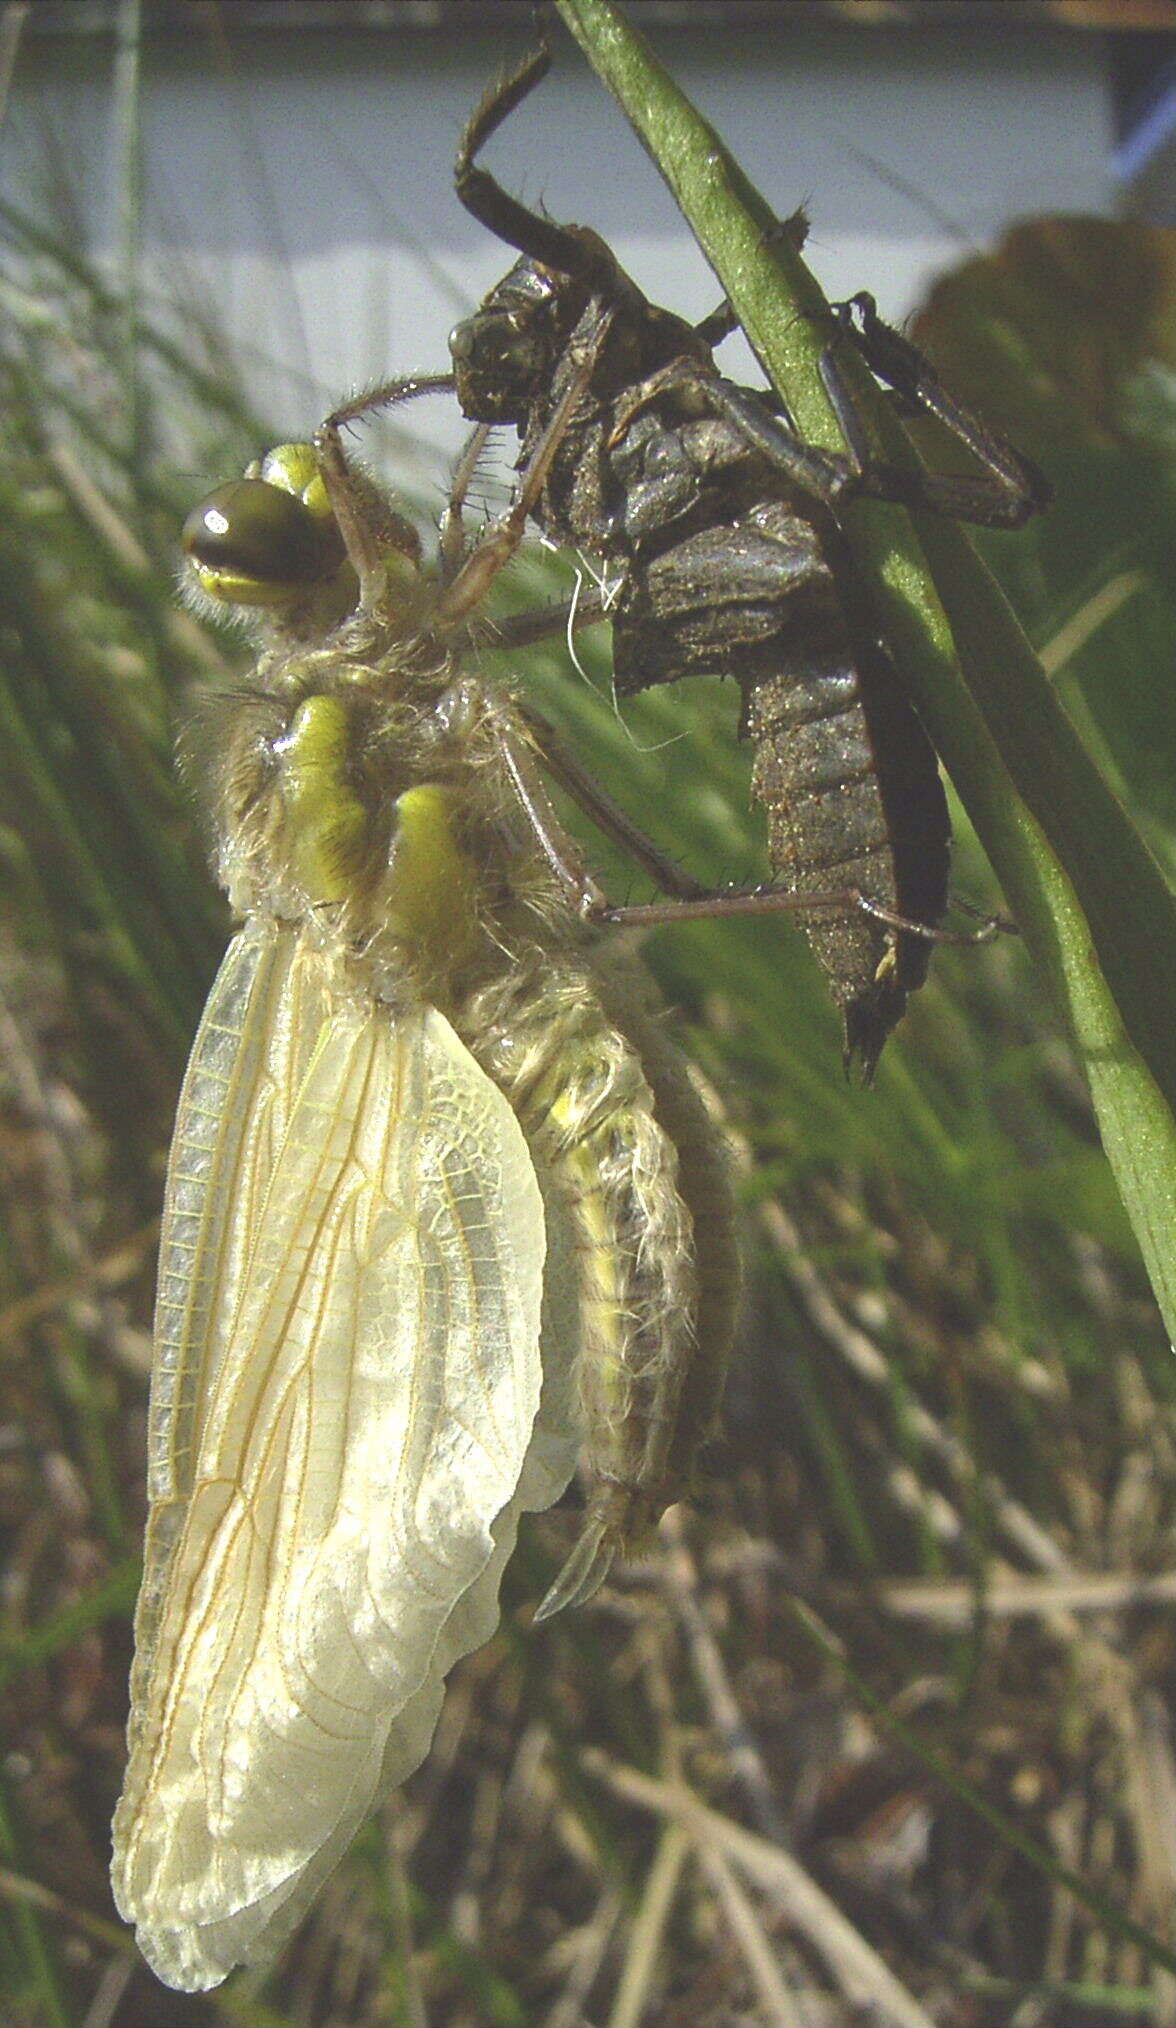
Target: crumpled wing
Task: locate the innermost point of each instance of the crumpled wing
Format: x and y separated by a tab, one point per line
347	1381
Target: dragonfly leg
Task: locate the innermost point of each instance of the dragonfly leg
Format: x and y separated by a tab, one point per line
495	547
1009	489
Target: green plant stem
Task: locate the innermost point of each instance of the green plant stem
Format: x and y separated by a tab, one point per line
40	1965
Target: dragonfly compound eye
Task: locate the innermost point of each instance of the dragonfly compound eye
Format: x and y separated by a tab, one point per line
253	543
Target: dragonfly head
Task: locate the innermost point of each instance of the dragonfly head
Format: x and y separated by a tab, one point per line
269	542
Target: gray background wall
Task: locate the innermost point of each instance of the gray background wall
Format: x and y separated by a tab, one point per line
300	193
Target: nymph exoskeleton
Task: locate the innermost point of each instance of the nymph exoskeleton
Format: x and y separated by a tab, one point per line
716	525
443	1209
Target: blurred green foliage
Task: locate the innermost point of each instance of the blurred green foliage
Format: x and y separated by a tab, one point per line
956	1225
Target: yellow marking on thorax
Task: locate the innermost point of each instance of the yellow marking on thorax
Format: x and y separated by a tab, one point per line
328	822
432	890
427	898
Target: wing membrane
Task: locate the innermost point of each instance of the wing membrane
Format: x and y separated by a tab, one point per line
348	1380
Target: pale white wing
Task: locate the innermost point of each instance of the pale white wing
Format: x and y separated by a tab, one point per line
351	1275
550	1462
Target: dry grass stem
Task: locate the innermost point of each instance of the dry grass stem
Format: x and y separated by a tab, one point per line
796	1899
781	2007
639	1977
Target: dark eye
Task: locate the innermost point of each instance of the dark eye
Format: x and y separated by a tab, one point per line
508	341
250	542
463	341
500	361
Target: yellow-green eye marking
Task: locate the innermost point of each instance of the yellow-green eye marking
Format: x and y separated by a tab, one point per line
294	468
252	543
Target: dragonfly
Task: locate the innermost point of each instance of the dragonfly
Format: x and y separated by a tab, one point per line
444	1210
